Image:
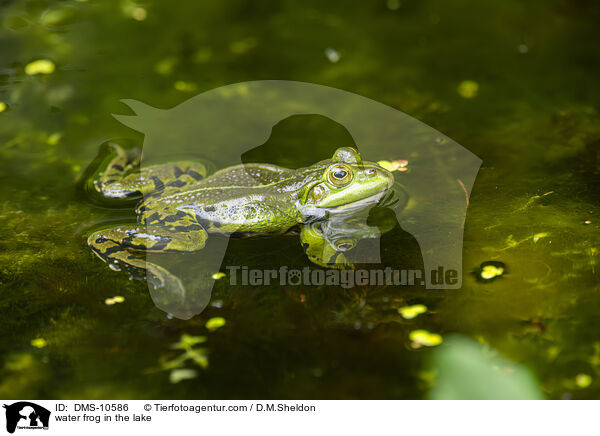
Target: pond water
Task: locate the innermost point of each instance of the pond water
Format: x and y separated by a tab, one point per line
513	82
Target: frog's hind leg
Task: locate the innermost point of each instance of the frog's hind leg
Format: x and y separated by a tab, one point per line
159	239
118	246
123	179
121	259
111	182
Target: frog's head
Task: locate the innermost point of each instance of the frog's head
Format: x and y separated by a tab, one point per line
348	183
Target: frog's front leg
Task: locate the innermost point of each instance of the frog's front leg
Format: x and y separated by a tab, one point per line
319	250
122	178
117	247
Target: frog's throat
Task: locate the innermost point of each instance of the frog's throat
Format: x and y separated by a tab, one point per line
344	209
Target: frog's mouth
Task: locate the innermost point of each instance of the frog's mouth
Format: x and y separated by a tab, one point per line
312	212
350	208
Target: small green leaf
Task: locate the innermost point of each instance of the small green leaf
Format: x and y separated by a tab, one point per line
180	374
215	323
468	371
186	342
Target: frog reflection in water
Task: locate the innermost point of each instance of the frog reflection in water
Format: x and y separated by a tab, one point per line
182	205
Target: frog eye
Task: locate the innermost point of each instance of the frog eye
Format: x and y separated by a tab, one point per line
344	244
340	175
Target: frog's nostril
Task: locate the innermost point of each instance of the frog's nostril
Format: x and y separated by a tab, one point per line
371	171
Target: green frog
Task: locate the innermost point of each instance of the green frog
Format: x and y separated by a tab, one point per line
181	204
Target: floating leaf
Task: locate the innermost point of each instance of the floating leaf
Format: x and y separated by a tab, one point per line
395	165
39	342
139	13
180	374
215	323
114	300
184	86
421	338
468	89
40	66
333	55
583	380
410	312
490	270
54	138
186	341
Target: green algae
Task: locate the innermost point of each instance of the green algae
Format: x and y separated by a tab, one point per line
533	119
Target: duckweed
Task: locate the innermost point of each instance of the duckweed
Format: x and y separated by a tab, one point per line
395	165
532	143
39	342
114	300
491	270
184	86
40	66
583	380
54	138
468	89
139	14
424	338
410	312
215	323
179	374
188	341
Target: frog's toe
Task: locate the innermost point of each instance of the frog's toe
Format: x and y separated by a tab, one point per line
129	154
162	279
116	148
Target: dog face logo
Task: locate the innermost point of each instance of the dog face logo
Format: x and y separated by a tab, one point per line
26	415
